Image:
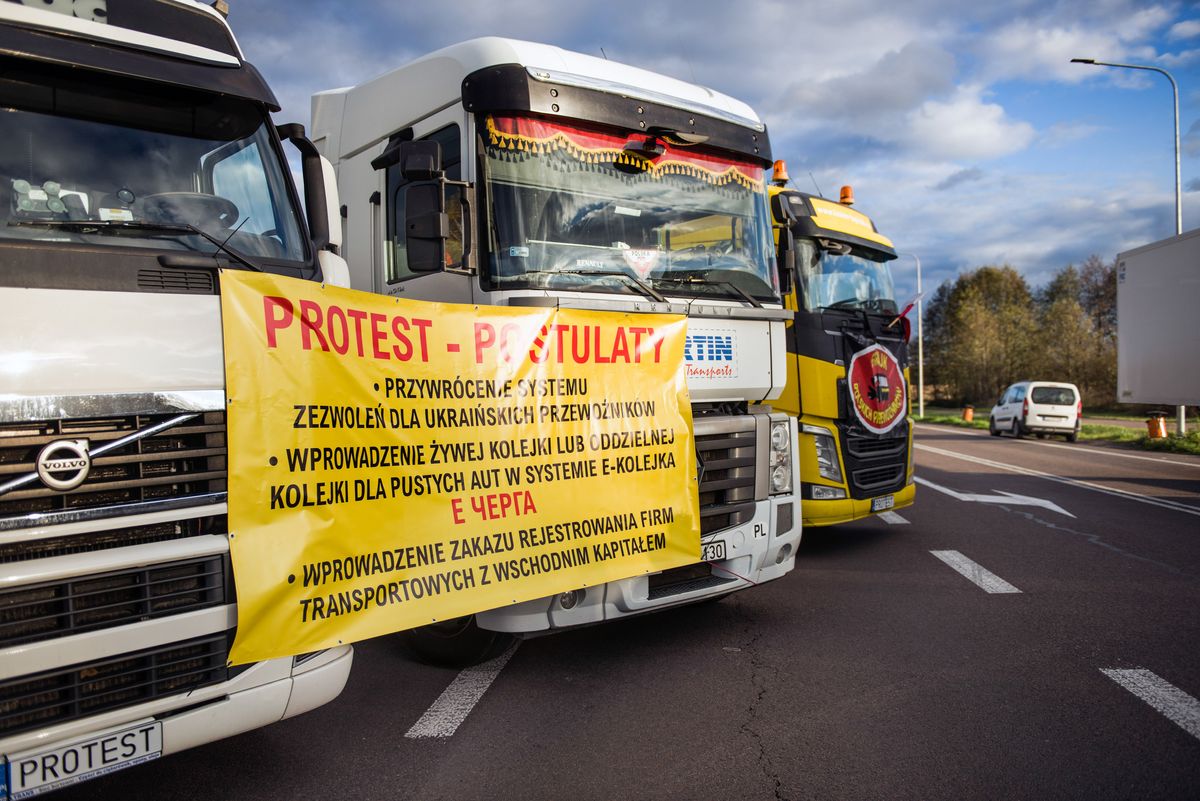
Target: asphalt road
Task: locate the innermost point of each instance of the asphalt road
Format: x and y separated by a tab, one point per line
874	670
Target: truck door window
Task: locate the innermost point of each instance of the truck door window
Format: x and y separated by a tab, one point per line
396	251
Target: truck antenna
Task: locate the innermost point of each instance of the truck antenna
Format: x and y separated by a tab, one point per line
604	54
814	180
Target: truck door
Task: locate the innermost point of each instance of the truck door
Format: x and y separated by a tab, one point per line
446	128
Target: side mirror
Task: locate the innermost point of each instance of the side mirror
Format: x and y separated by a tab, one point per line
322	215
426	226
421	160
785	262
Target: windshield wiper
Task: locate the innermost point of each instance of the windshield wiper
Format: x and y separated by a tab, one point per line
645	288
139	225
737	290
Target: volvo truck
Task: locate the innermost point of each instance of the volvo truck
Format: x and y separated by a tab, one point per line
510	173
847	360
139	159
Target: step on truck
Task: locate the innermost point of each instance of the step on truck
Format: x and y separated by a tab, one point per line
138	157
503	172
847	361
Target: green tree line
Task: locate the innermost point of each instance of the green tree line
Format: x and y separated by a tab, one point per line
987	329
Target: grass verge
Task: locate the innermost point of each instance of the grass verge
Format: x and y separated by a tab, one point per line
1094	433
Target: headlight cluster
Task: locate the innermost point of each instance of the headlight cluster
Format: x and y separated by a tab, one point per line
781	457
828	464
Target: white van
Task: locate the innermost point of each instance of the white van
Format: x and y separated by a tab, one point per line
1038	407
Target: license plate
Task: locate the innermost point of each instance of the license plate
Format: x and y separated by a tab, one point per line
35	772
883	502
712	551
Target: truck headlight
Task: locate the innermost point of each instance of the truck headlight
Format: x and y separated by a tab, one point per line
781	457
828	463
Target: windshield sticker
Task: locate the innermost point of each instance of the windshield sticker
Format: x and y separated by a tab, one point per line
877	390
534	136
642	261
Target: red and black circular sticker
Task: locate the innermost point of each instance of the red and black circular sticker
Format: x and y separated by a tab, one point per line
877	390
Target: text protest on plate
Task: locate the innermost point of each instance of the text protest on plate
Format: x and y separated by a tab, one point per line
395	463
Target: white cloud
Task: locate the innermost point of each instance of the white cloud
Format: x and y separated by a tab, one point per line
1187	29
965	128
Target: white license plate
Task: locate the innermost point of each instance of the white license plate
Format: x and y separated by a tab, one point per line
883	502
712	551
35	772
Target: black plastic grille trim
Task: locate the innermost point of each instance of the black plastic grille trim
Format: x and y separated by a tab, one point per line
38	612
688	578
55	696
191	282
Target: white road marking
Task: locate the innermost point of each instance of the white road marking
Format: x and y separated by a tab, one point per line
1181	708
1075	448
892	519
1004	497
456	701
988	581
1074	482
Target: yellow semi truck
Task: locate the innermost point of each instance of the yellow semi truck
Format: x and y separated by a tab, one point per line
847	360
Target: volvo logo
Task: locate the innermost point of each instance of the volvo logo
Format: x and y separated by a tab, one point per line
64	464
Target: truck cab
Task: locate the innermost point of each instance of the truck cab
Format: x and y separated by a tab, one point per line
139	160
510	173
847	361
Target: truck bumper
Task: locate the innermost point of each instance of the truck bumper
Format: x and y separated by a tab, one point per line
761	549
264	693
846	510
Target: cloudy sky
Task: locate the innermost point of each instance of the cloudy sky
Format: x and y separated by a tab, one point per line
965	130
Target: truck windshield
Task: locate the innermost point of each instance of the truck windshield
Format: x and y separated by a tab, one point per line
154	159
835	276
578	207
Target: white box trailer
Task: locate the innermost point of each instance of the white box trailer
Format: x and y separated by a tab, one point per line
1158	341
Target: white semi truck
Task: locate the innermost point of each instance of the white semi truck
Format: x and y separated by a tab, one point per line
503	172
137	155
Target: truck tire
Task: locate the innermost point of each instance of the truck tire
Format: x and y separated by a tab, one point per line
456	643
1017	430
995	432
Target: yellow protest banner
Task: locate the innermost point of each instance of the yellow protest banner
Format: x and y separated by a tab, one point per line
395	463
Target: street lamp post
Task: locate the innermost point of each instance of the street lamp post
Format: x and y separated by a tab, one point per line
1181	411
920	340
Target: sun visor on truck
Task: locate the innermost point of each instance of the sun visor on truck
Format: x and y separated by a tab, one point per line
515	88
242	80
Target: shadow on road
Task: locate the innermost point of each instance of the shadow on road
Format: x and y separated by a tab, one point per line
846	538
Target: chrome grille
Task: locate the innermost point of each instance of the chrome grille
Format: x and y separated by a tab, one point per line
185	459
57	609
122	537
54	696
727	465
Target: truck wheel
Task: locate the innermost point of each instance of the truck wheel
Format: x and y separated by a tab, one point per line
1074	435
1016	429
995	432
457	643
1041	435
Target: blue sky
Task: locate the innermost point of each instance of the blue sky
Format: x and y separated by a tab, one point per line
966	132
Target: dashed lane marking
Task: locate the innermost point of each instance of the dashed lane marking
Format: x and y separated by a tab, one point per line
1180	708
1074	482
892	519
456	701
986	580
